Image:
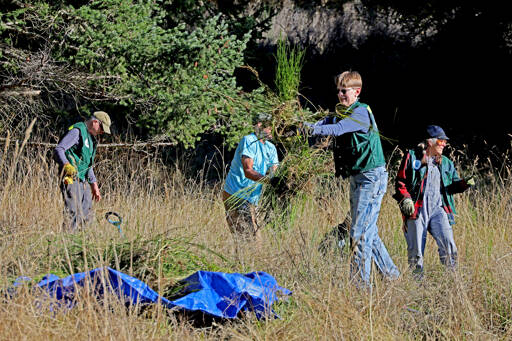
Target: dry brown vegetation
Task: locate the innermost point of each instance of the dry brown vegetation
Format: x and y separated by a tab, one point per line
176	226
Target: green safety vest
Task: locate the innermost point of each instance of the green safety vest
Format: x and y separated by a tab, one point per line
448	176
81	155
357	152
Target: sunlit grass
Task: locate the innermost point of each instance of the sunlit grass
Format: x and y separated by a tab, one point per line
174	226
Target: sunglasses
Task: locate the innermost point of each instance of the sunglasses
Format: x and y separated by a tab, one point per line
441	142
344	91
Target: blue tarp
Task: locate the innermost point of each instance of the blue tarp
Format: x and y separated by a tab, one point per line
219	294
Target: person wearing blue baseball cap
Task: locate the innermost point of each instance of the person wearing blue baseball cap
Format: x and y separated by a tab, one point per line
425	184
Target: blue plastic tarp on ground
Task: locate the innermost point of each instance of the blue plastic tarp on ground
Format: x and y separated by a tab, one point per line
219	294
225	295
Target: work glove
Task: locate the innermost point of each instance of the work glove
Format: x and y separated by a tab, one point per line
290	131
68	180
274	181
279	185
69	170
306	129
407	207
470	181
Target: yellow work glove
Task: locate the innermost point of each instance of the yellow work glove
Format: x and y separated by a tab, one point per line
69	170
470	181
68	180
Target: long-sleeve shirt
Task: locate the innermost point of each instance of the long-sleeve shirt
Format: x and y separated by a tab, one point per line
411	181
69	140
358	120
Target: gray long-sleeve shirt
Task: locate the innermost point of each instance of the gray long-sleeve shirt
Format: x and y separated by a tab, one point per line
69	140
357	121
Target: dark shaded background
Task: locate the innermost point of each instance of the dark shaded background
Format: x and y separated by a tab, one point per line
458	78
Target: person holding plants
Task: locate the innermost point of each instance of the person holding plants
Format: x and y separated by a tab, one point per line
75	155
255	156
425	184
358	155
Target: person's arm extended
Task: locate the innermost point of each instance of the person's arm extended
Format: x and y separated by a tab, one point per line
249	172
357	121
324	121
68	141
458	185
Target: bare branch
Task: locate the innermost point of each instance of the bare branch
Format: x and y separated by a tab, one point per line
100	145
28	93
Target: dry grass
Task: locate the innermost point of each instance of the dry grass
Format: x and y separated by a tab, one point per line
159	204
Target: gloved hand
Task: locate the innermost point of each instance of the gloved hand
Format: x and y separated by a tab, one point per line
68	180
274	181
69	170
290	131
279	185
407	207
470	181
306	129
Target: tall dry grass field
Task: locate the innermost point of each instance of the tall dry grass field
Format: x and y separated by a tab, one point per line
174	226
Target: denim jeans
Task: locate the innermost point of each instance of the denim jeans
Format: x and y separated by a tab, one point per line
366	192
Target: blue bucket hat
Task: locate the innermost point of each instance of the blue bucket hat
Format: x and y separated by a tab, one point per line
436	132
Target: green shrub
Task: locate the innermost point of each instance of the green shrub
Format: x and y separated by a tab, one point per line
174	80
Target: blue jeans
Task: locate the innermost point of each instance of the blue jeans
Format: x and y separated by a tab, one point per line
366	192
